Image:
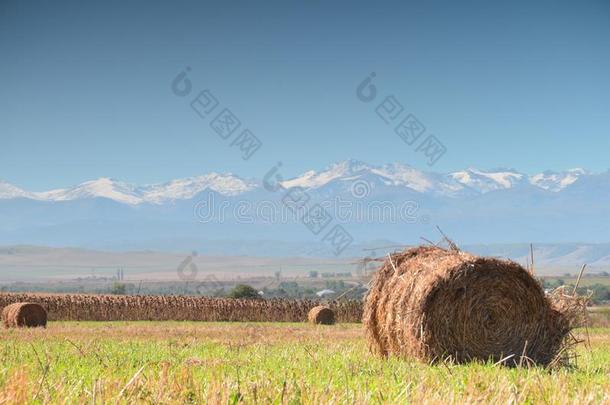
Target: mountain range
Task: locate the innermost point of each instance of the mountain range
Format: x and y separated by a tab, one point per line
393	202
467	182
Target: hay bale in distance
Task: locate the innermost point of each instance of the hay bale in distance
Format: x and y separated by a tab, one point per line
321	315
24	314
435	304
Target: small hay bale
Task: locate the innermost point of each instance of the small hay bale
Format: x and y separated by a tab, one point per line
321	315
436	304
24	314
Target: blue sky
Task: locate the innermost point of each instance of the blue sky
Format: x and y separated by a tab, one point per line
86	89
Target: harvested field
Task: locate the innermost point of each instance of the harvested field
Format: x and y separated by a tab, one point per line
435	304
279	363
80	307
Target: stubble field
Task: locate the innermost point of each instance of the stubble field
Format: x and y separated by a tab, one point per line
287	363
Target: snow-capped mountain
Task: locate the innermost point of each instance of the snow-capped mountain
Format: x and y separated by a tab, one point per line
471	205
111	189
393	175
100	188
396	176
184	189
450	184
554	181
337	171
485	181
8	191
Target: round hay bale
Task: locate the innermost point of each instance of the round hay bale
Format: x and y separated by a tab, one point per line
24	314
435	304
321	315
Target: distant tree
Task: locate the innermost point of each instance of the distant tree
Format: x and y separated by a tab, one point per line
118	289
310	292
313	274
601	293
243	291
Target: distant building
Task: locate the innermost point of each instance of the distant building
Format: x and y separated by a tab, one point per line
325	293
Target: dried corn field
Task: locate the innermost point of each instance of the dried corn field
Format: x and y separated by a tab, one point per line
81	307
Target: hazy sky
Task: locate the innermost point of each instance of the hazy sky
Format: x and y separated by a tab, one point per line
86	89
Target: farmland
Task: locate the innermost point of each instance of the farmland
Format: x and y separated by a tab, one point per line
81	307
194	362
189	349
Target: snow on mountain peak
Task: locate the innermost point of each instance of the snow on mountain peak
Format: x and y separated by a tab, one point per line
101	188
399	174
7	191
402	175
225	184
396	175
557	181
313	179
485	181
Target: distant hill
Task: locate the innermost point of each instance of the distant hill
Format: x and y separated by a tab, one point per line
251	260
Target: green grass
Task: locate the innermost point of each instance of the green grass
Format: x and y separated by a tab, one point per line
186	362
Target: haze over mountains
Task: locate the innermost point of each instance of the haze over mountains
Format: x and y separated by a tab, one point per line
394	202
462	183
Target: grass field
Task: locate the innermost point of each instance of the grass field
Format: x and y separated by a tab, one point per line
188	362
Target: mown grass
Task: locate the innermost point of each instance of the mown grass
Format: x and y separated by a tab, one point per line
187	362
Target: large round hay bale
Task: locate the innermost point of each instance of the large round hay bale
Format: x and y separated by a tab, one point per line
24	314
321	315
435	304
